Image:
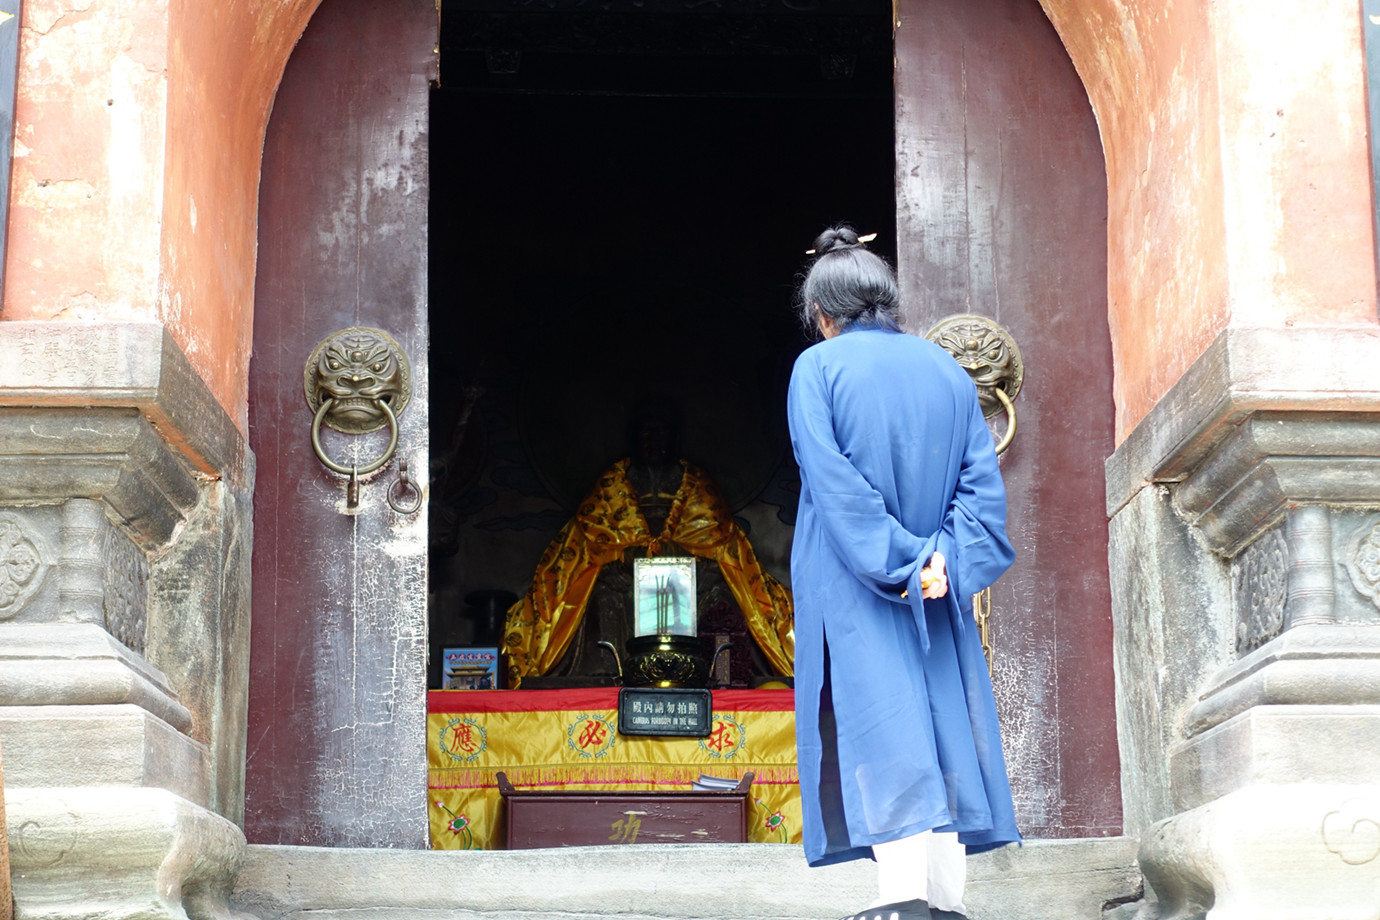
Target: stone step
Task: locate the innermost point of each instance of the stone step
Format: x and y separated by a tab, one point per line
1043	880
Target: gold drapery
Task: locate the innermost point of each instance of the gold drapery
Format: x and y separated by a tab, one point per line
541	626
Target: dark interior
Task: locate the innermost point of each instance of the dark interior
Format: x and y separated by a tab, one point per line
621	199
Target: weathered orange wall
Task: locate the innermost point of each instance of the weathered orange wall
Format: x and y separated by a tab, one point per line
139	131
225	60
1237	170
1235	136
88	163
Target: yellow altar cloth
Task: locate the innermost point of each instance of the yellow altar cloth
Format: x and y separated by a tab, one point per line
568	740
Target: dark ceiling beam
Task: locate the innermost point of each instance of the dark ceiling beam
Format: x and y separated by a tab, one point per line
690	7
621	33
668	47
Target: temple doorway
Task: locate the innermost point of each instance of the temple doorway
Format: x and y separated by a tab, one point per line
621	202
600	207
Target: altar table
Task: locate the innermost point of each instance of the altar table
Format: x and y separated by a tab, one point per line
568	739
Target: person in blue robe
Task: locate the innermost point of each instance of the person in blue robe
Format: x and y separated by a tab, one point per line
902	519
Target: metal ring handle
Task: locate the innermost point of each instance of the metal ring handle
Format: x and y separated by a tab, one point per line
353	471
1010	433
402	485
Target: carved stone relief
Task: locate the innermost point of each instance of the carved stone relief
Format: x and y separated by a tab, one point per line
1353	830
24	562
1312	576
83	561
50	839
1363	559
1259	589
126	590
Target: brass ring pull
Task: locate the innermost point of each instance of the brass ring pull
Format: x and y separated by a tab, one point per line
354	472
1010	432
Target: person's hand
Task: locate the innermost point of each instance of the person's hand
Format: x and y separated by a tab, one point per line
934	578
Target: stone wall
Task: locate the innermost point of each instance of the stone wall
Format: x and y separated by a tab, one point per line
1246	559
125	496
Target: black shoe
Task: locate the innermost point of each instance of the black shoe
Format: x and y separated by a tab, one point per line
901	910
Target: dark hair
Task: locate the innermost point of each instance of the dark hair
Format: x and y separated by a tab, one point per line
848	283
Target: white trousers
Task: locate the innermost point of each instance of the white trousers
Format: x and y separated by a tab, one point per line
931	867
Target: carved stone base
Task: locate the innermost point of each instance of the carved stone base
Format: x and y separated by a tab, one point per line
118	853
1297	851
119	745
1278	744
1277	786
1311	665
125	506
63	664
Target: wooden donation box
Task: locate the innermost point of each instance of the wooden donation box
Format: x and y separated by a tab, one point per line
571	778
559	818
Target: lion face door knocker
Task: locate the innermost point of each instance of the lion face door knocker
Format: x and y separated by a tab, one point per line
990	356
358	380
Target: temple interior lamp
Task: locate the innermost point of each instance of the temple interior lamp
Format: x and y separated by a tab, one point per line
665	650
664	596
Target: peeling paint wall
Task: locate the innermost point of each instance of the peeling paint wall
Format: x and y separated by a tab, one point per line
1235	136
225	60
88	160
138	135
1237	169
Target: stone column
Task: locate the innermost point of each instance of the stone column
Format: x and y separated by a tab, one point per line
122	485
1246	537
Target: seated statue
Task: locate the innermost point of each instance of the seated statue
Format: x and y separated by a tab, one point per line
648	504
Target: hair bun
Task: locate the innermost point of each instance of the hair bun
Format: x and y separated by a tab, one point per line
836	239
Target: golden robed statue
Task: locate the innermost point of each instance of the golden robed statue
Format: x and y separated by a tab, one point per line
660	506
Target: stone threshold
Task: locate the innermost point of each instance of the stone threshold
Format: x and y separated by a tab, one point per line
1043	880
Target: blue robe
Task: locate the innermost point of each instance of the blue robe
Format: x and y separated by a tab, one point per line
895	463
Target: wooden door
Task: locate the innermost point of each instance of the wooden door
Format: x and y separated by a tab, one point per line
337	710
1001	211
